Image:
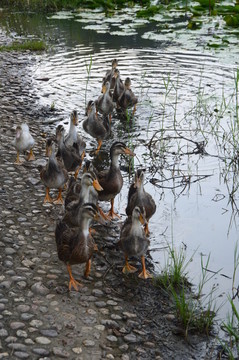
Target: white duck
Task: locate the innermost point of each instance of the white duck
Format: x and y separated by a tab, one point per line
23	141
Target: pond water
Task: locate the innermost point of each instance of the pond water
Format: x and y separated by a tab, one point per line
187	99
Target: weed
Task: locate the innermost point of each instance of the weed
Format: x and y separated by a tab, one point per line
32	45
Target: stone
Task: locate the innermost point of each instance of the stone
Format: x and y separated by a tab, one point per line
49	332
21	355
40	351
39	289
59	351
112	338
88	343
130	338
43	340
3	333
77	350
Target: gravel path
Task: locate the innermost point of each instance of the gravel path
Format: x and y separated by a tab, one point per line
112	316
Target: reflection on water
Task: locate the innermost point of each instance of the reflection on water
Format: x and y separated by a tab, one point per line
180	93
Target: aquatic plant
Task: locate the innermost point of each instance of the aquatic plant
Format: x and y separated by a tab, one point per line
32	45
230	326
195	311
88	69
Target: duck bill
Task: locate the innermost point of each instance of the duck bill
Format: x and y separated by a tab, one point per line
127	151
97	185
103	90
76	121
98	217
137	183
142	219
18	134
48	150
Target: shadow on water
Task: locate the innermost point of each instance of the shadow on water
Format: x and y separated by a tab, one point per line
184	131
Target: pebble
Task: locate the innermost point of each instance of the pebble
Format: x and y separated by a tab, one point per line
77	350
43	340
3	333
21	355
88	343
130	338
39	289
59	351
40	351
112	338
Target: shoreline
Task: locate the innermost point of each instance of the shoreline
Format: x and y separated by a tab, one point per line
112	316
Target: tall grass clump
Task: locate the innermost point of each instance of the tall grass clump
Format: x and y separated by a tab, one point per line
88	69
196	312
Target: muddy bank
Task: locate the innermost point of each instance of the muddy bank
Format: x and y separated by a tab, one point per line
112	316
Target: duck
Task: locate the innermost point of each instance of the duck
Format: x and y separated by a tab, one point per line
111	179
104	103
73	138
119	86
137	196
134	242
127	99
23	141
80	193
54	175
109	74
70	156
95	126
75	245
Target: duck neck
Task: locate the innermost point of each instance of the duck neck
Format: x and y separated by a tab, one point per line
84	226
61	142
115	161
136	227
141	188
84	194
72	130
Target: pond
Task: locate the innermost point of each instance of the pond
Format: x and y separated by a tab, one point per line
184	131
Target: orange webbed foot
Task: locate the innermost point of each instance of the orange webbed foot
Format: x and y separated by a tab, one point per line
31	156
75	284
128	269
145	275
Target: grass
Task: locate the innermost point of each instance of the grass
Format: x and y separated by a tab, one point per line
230	327
56	5
195	312
31	45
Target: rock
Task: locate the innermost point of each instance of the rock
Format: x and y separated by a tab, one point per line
3	333
88	343
39	289
59	351
112	338
130	338
21	355
77	350
43	340
40	351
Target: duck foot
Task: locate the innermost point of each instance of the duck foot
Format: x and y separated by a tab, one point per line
31	156
87	268
144	274
47	199
18	161
72	281
129	269
111	213
59	200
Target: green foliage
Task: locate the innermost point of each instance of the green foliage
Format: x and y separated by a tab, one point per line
32	45
149	11
231	328
232	20
207	3
55	5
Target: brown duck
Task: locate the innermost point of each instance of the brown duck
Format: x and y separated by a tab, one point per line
76	245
